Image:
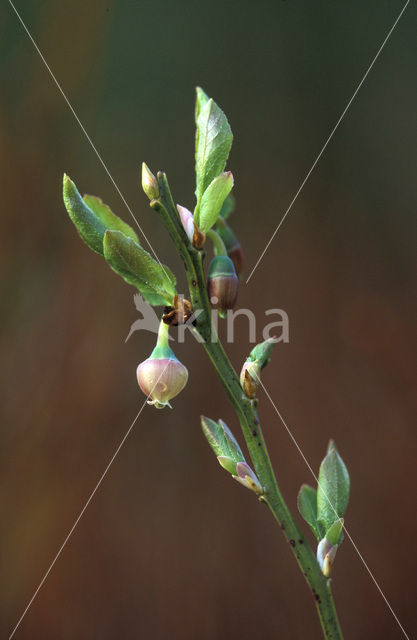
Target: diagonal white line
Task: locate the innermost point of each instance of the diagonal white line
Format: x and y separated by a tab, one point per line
85	506
76	523
328	500
85	133
328	140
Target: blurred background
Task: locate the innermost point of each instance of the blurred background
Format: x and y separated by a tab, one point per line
170	546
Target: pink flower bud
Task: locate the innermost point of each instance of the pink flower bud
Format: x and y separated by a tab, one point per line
248	478
325	556
161	379
187	221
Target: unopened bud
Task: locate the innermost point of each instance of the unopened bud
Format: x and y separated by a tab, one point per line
248	478
251	370
149	183
325	556
222	284
249	378
187	221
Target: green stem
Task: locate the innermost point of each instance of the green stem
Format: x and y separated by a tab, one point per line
246	411
219	246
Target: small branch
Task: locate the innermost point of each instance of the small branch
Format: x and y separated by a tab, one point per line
247	413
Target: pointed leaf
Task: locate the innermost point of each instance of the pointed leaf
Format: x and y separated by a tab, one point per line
92	217
307	506
212	200
231	443
333	488
137	267
108	218
213	143
89	226
221	440
262	352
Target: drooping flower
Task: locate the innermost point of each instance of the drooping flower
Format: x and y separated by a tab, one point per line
162	376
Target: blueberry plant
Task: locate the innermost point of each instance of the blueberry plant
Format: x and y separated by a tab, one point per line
161	376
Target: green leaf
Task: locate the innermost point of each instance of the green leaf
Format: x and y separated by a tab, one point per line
262	352
335	533
137	267
221	440
231	443
333	488
228	464
201	100
307	506
212	200
228	206
108	218
213	142
89	226
92	217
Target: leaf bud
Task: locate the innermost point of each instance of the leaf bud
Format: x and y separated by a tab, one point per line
248	478
222	441
249	378
149	183
326	553
251	370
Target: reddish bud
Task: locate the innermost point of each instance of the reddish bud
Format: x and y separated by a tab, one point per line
222	284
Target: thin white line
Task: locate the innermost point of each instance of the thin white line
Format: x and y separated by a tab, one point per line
328	140
328	500
83	510
86	134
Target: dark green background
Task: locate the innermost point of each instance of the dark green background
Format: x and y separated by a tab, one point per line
170	547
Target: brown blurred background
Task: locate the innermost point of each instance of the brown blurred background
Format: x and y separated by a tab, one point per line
170	547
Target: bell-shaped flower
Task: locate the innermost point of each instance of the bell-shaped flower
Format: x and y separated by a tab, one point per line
162	376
